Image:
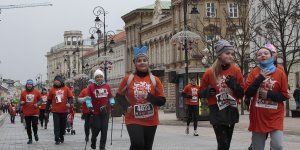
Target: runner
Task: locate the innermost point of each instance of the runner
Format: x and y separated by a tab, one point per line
222	85
140	94
42	116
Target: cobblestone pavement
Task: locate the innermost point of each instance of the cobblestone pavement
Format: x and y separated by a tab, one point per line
14	137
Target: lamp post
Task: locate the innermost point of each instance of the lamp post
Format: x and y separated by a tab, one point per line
186	37
106	35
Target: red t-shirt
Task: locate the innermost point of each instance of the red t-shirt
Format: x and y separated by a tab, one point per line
59	97
266	115
12	110
191	90
44	101
100	96
142	112
83	94
220	85
30	98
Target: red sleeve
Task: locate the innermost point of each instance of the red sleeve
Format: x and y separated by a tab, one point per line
205	79
22	98
88	93
284	85
50	95
122	85
186	88
160	89
82	93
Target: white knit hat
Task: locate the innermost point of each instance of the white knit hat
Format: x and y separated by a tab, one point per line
98	72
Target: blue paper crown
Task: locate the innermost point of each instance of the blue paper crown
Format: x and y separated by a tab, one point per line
140	51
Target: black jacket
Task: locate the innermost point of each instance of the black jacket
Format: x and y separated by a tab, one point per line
227	116
296	94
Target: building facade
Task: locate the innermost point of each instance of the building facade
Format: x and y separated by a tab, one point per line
65	58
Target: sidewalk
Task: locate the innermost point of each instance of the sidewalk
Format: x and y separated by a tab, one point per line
291	125
2	117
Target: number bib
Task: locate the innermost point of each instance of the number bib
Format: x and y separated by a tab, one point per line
143	110
194	99
262	103
58	98
224	100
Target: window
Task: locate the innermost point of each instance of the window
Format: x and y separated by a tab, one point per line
233	10
210	10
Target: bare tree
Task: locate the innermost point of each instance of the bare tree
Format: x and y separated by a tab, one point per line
280	26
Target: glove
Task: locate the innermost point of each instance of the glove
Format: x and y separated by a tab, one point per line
103	110
247	101
91	110
156	100
231	82
212	92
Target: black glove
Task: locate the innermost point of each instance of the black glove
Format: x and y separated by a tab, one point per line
91	110
252	89
186	95
207	92
156	100
232	83
276	96
247	101
103	110
212	92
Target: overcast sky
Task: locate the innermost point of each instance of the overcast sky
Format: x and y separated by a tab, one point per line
26	34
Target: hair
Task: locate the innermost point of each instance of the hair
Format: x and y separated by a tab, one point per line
216	69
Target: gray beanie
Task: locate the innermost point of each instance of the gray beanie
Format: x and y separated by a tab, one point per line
222	46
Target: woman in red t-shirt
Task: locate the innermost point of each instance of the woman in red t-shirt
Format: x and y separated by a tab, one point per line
30	99
267	84
190	93
140	100
12	112
222	84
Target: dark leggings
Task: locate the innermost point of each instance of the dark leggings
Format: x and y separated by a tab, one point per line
223	135
59	121
87	124
141	137
31	121
100	124
42	117
192	115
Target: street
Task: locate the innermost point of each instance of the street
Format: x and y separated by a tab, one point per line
14	137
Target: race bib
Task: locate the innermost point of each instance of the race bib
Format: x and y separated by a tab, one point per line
263	103
58	98
101	93
194	99
29	98
143	110
224	100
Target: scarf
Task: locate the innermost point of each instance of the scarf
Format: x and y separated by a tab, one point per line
268	65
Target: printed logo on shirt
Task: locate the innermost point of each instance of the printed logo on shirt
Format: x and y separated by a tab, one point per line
225	98
267	84
141	90
29	98
44	99
59	94
101	93
194	94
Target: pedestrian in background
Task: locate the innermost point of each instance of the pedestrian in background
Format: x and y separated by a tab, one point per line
99	100
296	96
268	86
190	93
30	99
60	98
222	84
86	114
140	94
42	116
12	112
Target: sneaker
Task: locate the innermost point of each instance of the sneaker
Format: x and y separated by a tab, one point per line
57	142
93	145
196	133
187	130
36	137
29	141
62	139
86	138
45	127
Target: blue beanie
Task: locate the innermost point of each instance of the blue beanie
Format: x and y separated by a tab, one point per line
29	81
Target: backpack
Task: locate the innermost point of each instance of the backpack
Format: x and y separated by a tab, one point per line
130	78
